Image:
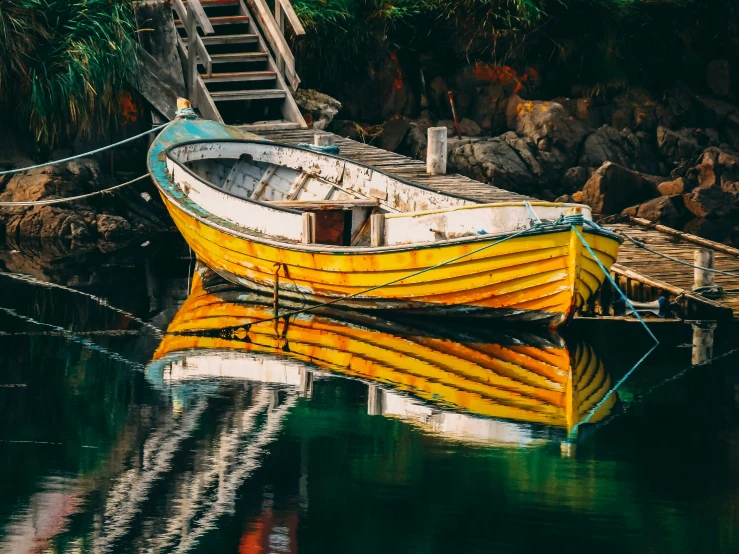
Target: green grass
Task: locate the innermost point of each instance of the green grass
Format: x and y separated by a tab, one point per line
63	64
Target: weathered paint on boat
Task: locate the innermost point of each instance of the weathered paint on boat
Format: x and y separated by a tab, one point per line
540	276
522	378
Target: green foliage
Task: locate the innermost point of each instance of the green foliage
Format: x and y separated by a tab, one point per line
63	64
587	41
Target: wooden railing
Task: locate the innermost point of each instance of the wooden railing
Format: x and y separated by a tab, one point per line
192	18
273	27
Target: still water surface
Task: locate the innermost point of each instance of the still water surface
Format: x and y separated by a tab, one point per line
340	433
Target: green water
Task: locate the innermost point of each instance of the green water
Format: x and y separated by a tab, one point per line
98	457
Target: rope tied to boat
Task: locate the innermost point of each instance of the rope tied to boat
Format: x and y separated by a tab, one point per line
50	201
329	149
186	113
86	154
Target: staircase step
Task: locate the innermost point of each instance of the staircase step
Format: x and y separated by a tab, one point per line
248	95
223	20
227	39
215	3
239	57
239	76
270	125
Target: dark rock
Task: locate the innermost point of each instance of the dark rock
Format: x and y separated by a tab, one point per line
713	112
438	90
393	132
668	210
621	147
547	123
613	187
393	91
718	77
708	228
574	178
77	222
710	202
469	128
321	107
415	142
348	129
707	171
497	162
112	227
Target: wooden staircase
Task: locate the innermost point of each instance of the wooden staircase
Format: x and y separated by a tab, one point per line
240	71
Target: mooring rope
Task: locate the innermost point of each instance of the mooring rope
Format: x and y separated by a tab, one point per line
102	301
86	154
73	198
575	220
640	244
72	336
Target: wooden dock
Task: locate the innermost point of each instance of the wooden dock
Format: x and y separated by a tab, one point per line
642	275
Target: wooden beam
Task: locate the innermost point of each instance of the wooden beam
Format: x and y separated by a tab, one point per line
309	227
200	17
274	36
719	311
155	84
236	169
297	186
206	106
377	229
263	182
292	17
686	236
326	204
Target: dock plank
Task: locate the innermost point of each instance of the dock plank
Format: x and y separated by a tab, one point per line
640	265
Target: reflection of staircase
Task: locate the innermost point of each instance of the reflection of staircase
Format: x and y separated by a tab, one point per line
245	72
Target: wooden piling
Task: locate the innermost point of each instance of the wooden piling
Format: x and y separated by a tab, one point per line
702	278
702	351
309	227
377	229
374	400
323	140
436	152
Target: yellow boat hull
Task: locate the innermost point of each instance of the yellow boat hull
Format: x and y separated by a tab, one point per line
544	277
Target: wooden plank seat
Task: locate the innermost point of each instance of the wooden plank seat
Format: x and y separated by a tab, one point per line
320	205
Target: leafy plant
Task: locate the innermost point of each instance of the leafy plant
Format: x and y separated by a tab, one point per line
63	64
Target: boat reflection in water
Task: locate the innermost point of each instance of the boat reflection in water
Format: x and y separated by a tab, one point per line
468	384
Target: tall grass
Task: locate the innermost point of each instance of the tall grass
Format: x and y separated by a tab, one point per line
63	64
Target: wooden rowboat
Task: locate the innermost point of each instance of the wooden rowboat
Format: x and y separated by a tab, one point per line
317	227
463	375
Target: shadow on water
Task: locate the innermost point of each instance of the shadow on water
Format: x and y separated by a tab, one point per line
186	422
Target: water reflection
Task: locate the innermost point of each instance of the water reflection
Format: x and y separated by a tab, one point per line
332	431
463	382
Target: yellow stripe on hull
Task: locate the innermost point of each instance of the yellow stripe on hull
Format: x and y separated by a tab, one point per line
538	276
555	386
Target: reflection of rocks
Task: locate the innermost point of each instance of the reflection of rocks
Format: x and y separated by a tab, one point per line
82	221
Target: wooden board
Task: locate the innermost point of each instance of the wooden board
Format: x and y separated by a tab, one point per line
643	266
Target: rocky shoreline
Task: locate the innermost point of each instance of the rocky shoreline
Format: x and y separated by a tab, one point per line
672	159
106	220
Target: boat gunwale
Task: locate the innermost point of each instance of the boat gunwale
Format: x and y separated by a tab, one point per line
244	233
261	238
168	152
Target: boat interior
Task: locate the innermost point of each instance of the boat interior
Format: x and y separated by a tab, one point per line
344	195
